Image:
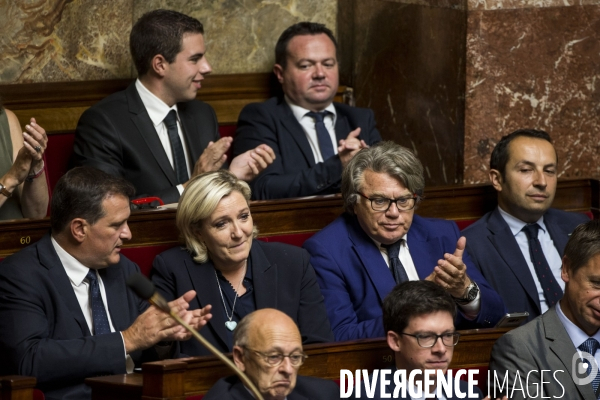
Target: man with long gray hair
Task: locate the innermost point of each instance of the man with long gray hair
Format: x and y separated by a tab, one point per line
380	242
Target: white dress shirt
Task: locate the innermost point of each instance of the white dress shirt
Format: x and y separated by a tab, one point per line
470	310
308	124
550	252
77	272
157	111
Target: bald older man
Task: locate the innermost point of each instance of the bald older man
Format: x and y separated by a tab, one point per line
268	348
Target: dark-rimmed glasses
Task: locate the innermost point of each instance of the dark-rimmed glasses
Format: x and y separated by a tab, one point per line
404	203
428	340
275	359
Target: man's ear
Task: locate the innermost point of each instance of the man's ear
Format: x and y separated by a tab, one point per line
393	341
79	229
496	179
238	357
565	271
159	65
278	71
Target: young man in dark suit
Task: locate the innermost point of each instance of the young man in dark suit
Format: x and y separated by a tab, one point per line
418	318
66	313
515	244
313	138
155	133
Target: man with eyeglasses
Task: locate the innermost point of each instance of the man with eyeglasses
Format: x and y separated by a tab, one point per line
380	242
418	318
267	346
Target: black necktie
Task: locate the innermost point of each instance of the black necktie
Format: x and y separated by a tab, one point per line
590	346
101	325
176	146
552	291
396	266
322	134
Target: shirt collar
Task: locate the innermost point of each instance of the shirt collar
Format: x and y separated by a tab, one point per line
516	225
575	333
380	245
157	109
300	112
75	270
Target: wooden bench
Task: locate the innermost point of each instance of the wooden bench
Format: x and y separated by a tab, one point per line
14	387
57	106
179	379
294	220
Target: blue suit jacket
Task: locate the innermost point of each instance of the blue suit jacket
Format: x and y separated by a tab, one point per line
43	332
354	277
464	388
294	172
495	252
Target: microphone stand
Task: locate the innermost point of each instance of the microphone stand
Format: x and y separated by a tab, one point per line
158	301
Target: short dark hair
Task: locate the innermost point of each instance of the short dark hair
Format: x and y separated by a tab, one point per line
79	194
583	244
500	154
412	299
299	29
159	32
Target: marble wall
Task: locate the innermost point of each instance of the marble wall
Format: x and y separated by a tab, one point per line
533	64
408	65
76	40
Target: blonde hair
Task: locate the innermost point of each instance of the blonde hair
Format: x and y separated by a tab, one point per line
199	200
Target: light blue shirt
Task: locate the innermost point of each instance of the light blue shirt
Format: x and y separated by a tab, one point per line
575	333
548	247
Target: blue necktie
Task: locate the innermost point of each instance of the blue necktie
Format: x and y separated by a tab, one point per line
395	264
177	147
590	346
322	134
101	325
551	288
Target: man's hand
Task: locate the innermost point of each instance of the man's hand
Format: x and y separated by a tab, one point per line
451	272
248	165
348	147
155	325
200	317
213	156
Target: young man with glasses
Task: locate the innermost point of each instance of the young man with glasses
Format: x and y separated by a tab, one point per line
380	242
268	348
418	318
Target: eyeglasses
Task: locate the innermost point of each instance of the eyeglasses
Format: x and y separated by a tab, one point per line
275	359
428	340
405	203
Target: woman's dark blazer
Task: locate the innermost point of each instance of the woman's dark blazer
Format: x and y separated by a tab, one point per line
282	278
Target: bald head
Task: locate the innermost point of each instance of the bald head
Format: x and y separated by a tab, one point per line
261	336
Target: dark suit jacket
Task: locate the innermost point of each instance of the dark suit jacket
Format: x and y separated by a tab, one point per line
464	388
307	388
497	255
117	136
294	172
282	278
43	332
354	277
542	344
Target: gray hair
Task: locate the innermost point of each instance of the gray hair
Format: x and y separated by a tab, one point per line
383	157
199	200
240	334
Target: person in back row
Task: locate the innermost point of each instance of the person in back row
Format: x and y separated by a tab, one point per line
155	133
380	242
232	271
518	246
313	138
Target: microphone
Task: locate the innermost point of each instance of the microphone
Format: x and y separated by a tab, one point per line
146	290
